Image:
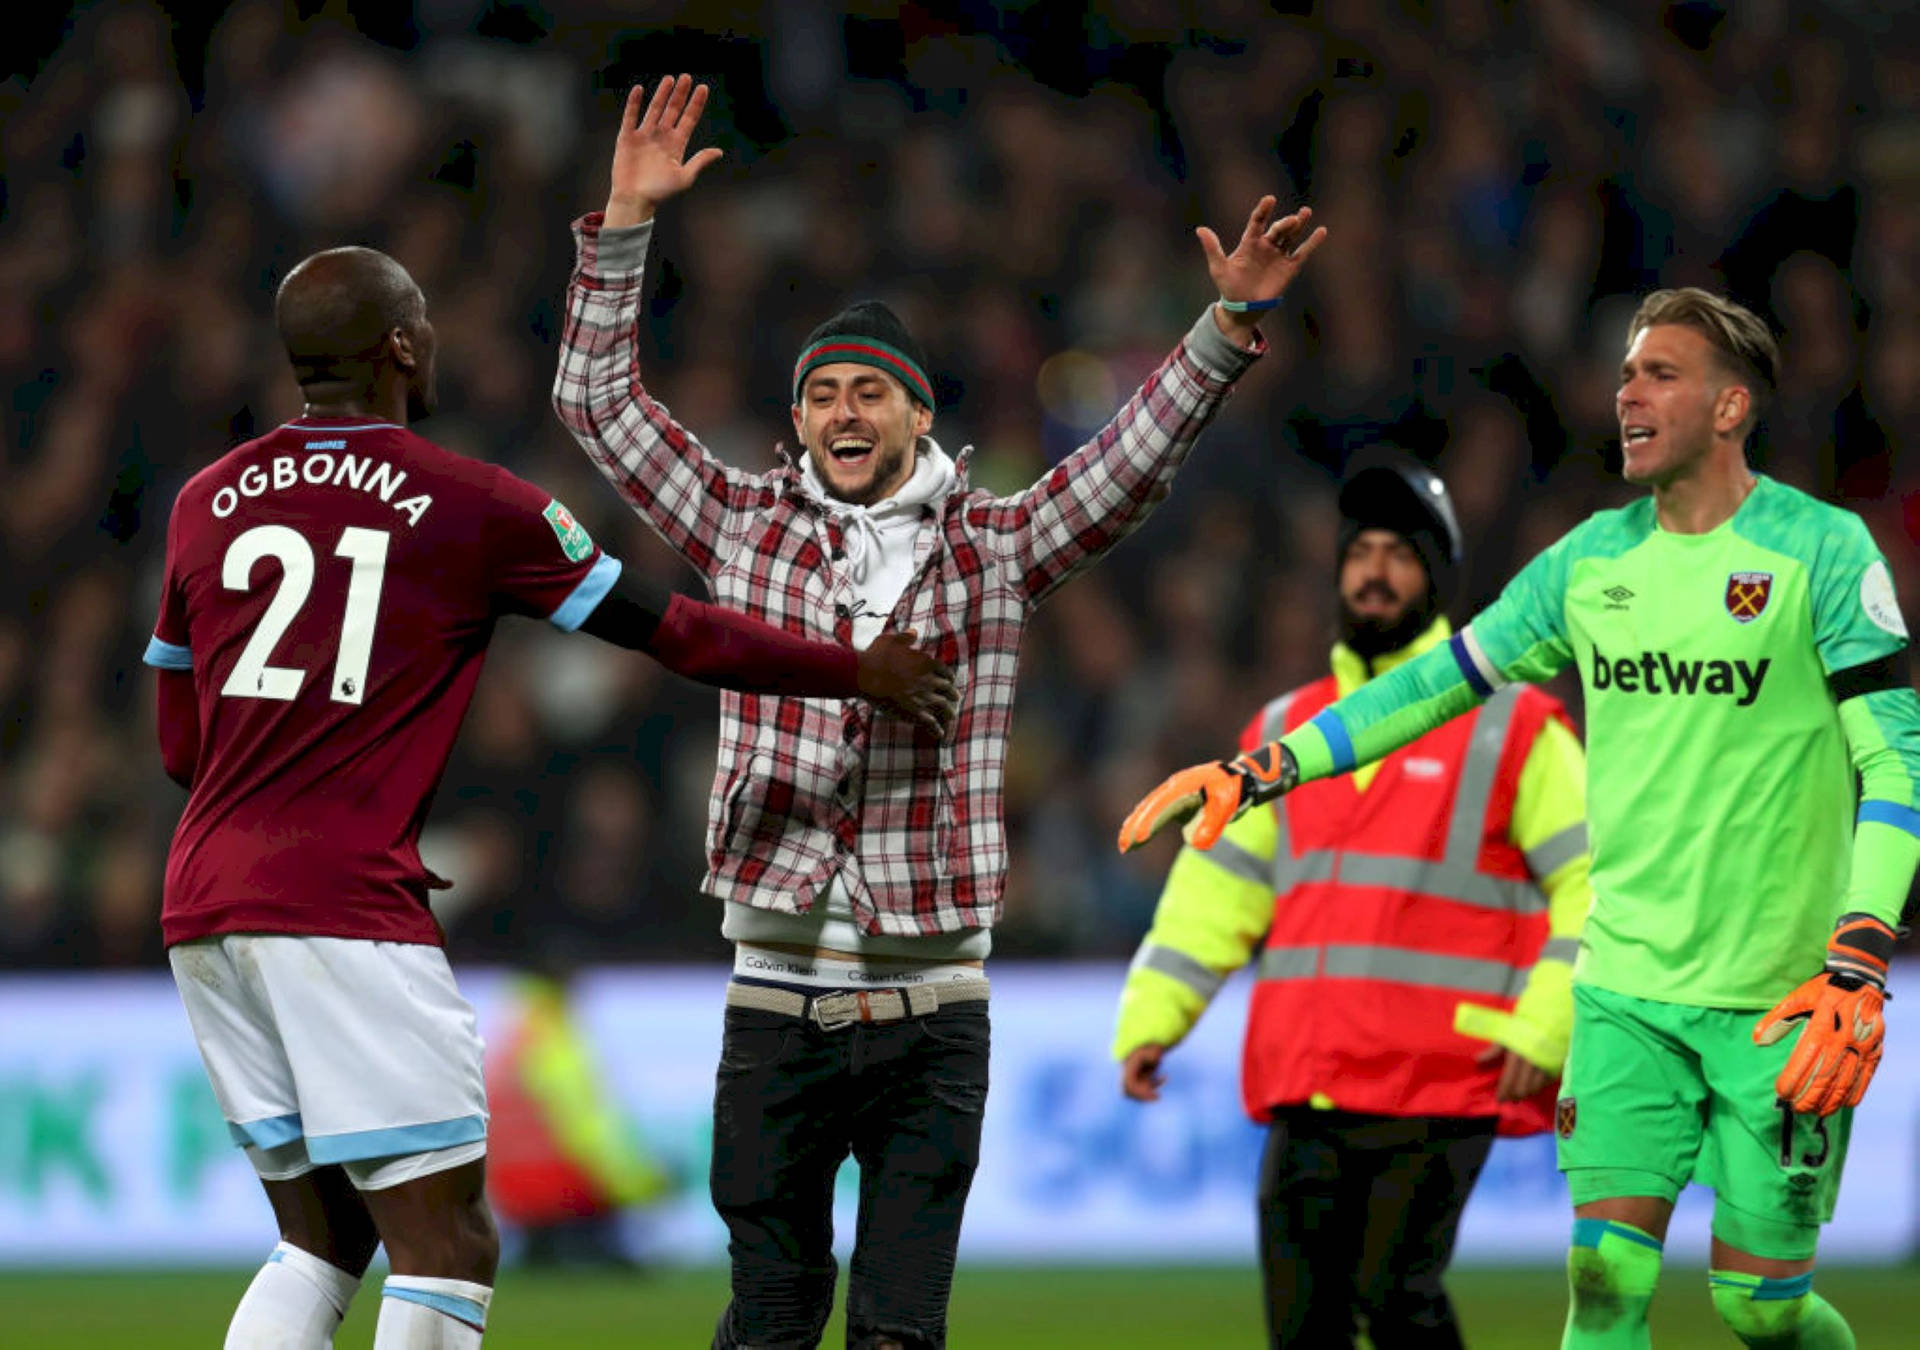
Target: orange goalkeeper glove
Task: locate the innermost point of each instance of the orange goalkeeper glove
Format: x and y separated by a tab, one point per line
1210	797
1839	1016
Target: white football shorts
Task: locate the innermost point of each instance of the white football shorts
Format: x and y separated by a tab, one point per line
337	1050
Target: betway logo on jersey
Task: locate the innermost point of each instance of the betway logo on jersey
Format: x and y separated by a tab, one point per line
1664	673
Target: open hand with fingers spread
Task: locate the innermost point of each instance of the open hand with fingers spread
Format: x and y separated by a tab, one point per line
907	680
1253	277
649	155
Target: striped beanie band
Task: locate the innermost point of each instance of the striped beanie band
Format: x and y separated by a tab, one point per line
867	334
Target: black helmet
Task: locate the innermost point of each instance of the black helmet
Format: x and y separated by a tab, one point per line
1390	491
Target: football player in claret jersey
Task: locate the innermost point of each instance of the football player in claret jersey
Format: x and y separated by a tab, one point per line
330	591
1754	808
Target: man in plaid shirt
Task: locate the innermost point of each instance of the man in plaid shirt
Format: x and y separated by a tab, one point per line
862	859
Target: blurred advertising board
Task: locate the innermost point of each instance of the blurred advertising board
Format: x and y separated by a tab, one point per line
111	1150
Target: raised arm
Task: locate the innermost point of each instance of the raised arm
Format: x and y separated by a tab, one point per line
696	503
1105	489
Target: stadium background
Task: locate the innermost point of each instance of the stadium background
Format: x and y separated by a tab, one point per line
1020	181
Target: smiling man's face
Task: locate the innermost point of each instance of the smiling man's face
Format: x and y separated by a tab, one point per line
859	427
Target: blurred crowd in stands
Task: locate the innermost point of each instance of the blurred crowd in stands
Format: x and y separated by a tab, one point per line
1021	182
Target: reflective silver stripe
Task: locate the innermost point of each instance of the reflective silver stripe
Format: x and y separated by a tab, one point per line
1179	966
1447	880
1289	871
1475	789
1561	949
1236	862
1397	964
1273	717
1283	875
1466	974
1556	851
1456	876
1289	963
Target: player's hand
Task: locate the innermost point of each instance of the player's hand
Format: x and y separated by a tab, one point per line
1140	1076
1840	1014
1842	1030
1263	264
1520	1077
1210	797
908	681
649	155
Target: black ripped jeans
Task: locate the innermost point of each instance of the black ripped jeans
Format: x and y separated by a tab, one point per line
792	1101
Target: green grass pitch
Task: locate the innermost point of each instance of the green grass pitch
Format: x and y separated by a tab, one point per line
997	1308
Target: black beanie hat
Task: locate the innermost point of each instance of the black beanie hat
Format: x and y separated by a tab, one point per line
869	334
1390	491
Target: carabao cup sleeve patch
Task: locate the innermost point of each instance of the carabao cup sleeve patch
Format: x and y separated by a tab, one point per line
575	542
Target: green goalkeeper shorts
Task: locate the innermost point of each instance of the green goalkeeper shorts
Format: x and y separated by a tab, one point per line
1659	1094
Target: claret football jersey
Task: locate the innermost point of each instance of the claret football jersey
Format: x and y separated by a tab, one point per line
332	587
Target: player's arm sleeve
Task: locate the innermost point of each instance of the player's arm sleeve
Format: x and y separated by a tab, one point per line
542	562
1862	640
697	504
1101	493
538	560
1550	829
720	646
1520	636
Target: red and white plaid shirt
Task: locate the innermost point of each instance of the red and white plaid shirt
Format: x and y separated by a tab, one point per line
803	786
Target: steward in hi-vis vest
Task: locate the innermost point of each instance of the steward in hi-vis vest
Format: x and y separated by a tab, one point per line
1412	928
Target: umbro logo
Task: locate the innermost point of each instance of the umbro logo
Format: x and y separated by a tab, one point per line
1617	597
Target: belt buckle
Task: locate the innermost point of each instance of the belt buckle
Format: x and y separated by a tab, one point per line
835	1011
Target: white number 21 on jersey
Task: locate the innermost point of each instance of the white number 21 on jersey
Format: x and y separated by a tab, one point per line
252	677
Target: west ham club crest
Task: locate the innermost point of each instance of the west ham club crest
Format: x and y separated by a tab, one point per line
1747	594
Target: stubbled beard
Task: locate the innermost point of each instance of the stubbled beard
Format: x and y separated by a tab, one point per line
886	465
1370	637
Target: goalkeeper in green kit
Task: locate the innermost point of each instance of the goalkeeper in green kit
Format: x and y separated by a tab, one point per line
1743	658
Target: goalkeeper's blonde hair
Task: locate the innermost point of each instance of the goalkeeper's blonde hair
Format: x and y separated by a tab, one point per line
1745	344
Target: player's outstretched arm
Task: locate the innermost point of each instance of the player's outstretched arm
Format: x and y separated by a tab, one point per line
730	650
1373	721
650	163
1519	637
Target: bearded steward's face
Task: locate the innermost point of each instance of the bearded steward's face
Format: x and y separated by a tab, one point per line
859	427
1383	592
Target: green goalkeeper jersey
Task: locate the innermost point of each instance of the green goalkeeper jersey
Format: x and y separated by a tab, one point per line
1736	681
